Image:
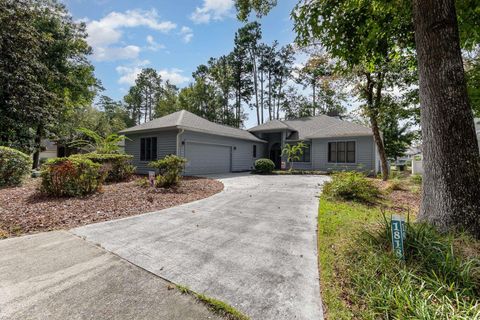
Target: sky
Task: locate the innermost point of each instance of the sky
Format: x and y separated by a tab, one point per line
173	37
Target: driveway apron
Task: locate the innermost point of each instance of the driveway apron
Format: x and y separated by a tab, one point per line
253	245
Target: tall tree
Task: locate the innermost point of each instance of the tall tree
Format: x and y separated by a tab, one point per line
248	38
451	185
57	73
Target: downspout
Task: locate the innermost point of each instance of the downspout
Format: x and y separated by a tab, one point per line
178	140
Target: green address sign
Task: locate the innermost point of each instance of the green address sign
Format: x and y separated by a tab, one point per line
398	235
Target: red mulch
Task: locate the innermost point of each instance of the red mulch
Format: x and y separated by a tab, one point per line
24	210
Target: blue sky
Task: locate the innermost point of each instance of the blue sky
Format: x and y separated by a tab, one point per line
173	37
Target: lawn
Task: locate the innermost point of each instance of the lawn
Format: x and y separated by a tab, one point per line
25	210
360	278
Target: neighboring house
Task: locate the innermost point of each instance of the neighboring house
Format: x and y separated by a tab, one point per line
49	149
213	148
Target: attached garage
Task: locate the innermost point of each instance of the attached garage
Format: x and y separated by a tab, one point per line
205	158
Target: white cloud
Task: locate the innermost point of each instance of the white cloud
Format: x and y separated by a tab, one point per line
212	9
104	33
173	75
187	34
128	74
116	53
153	45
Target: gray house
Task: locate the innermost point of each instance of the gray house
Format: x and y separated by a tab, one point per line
213	148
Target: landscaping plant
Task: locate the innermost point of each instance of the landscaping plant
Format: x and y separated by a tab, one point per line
293	152
351	185
117	166
264	166
71	177
14	166
97	143
170	170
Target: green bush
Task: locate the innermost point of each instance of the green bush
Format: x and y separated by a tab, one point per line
14	166
351	186
264	166
71	177
170	170
395	184
416	178
118	166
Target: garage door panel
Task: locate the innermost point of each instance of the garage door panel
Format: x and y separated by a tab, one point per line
207	158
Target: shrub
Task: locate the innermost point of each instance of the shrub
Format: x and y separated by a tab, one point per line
170	170
416	178
71	177
117	166
14	166
351	186
264	166
395	184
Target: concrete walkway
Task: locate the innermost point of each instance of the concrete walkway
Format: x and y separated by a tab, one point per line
57	275
252	245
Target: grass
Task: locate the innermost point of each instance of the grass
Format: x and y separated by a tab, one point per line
361	279
215	305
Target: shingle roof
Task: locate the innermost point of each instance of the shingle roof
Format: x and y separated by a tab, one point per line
319	127
270	125
186	120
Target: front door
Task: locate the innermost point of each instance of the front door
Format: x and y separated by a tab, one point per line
276	155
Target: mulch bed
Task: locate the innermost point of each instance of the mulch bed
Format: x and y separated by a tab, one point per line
402	201
25	210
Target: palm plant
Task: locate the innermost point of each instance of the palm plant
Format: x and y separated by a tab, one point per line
97	143
293	152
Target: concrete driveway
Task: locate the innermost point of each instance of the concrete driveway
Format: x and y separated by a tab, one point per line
253	245
56	275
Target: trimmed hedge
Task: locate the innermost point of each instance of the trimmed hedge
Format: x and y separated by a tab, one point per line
14	166
71	177
118	166
264	166
170	170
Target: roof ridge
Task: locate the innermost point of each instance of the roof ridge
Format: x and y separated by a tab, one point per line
180	118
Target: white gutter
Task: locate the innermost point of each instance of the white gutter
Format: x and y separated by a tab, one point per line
178	140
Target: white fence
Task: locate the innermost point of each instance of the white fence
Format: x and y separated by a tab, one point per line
417	166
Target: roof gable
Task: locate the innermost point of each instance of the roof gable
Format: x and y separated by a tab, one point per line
321	126
186	120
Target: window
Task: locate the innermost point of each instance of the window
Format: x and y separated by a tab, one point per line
254	150
341	152
305	157
148	149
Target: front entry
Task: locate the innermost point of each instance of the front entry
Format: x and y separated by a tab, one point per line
276	155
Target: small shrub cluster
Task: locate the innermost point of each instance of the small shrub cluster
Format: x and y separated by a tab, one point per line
118	166
71	177
416	178
351	186
395	184
14	166
264	166
170	170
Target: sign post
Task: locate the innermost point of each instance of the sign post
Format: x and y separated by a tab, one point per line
151	178
398	236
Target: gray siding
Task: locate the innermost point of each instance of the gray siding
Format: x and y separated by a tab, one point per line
242	150
166	144
365	155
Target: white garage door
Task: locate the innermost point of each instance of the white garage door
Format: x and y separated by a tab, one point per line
207	158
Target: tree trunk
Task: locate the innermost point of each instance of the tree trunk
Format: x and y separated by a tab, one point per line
37	146
374	98
451	161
